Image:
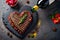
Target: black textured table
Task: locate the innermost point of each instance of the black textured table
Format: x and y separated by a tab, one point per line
45	30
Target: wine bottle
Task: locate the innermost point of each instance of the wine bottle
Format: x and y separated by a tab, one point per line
44	3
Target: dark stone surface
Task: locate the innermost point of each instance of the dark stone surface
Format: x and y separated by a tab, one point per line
31	26
45	31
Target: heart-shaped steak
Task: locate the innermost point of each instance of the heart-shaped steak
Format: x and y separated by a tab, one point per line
20	21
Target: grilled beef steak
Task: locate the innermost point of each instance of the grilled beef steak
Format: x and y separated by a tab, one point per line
20	21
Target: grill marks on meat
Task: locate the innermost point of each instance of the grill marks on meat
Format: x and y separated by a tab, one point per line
14	19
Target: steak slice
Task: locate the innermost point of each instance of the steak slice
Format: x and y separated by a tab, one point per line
20	21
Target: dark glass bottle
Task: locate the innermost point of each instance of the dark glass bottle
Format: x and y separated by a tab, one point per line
43	3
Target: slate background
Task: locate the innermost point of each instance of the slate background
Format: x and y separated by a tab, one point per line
45	30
